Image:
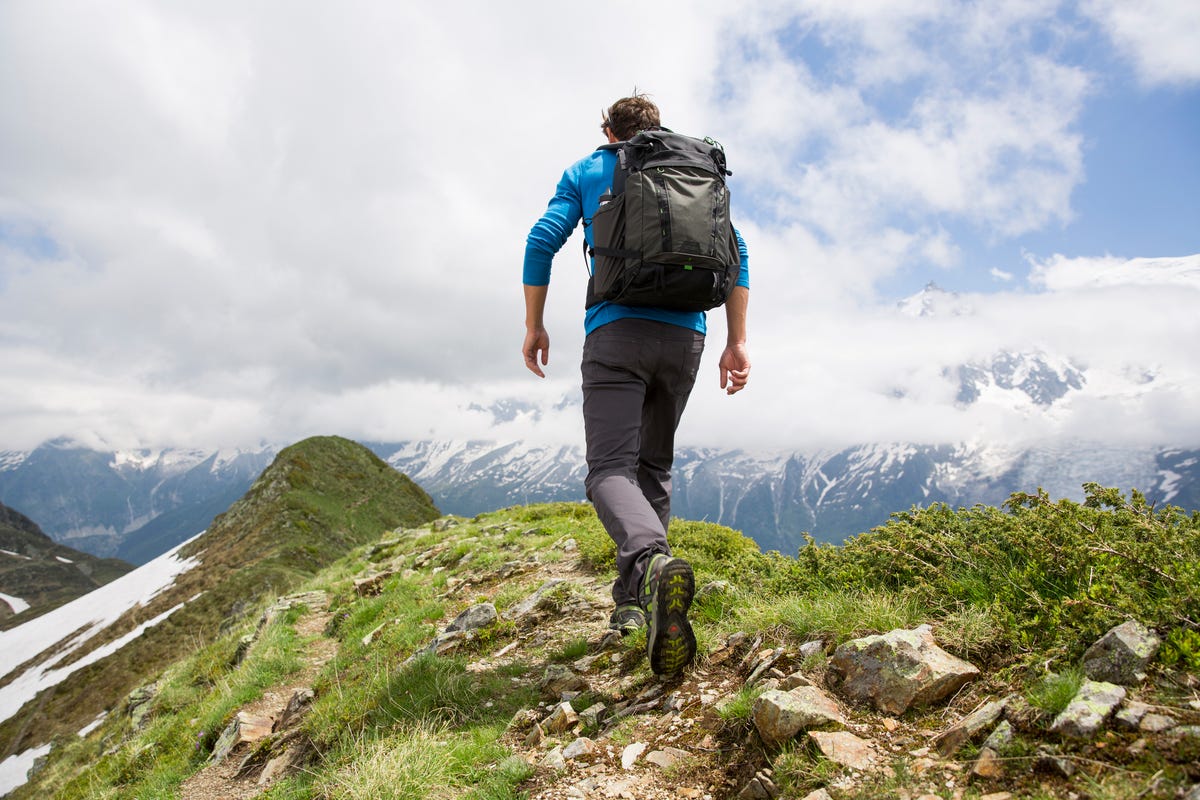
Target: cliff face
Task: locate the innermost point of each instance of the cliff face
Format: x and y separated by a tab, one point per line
949	654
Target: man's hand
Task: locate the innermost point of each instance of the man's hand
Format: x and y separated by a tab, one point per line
537	341
735	368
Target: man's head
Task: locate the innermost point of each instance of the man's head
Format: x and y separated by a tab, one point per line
629	115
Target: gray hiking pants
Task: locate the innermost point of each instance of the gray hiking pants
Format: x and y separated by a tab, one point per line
637	375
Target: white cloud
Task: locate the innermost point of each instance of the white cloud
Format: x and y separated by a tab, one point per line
1158	36
221	224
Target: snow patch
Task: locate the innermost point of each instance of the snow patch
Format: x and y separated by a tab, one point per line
68	627
15	603
15	555
15	769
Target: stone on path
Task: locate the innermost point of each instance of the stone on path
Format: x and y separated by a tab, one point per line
899	670
779	715
843	747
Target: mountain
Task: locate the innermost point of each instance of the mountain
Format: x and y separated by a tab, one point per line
317	500
130	504
773	497
37	575
1049	651
776	498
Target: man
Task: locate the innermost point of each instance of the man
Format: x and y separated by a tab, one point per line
639	366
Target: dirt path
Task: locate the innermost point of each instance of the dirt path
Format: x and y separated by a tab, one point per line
219	781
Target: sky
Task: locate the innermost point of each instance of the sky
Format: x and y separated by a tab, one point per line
232	223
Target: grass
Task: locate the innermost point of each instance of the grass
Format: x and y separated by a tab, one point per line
1013	589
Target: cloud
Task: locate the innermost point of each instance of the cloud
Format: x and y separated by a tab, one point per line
1158	36
220	224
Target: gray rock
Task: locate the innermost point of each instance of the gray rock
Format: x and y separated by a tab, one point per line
1000	738
899	670
1129	716
559	679
843	747
476	617
582	747
554	759
1156	723
778	715
527	605
666	757
1050	760
950	740
1122	655
811	649
1085	715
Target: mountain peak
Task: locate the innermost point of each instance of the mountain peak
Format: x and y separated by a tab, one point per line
934	301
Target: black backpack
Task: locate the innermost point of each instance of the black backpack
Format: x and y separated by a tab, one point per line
663	238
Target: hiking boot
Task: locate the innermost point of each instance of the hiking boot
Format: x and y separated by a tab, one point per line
627	619
666	596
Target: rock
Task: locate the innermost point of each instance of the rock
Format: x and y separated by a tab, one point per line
593	714
843	747
1129	716
778	715
761	787
1156	723
139	703
372	584
1184	743
559	679
811	649
821	794
244	729
630	754
536	736
527	605
554	759
987	765
561	719
289	762
899	670
999	738
477	616
1085	714
667	757
950	740
792	681
297	706
1122	655
582	747
1050	760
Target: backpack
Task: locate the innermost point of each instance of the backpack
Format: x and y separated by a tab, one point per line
662	236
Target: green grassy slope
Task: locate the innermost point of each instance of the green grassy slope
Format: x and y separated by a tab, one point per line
1020	592
320	498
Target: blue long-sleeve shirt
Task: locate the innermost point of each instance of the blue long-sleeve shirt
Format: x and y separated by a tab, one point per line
580	188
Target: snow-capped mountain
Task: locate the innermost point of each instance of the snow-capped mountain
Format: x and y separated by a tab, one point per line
776	498
130	504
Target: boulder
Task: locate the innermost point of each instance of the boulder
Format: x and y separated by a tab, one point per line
476	617
1122	655
899	670
779	715
1084	716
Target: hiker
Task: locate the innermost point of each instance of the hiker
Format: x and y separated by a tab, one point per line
639	366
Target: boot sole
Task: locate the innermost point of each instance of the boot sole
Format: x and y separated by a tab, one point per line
670	640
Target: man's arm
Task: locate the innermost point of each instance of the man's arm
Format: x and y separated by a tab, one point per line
537	339
735	360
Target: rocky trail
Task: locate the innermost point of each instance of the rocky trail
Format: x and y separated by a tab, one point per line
757	715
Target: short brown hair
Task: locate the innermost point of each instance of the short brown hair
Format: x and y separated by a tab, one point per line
629	115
